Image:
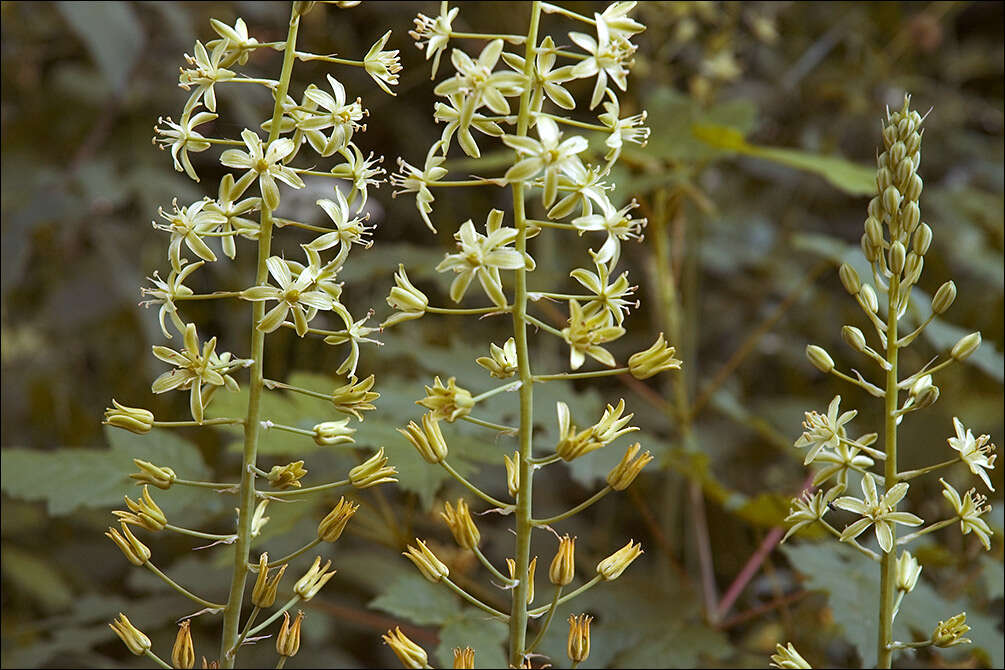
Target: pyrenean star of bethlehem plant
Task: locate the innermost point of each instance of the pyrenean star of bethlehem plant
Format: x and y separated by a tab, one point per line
521	100
894	243
284	294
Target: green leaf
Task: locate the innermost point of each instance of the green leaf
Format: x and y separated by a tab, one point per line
36	576
414	598
852	178
852	583
472	628
679	114
71	478
112	33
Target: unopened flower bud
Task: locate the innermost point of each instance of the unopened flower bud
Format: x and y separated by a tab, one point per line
913	267
910	217
849	279
869	250
464	658
624	473
914	188
461	524
288	640
874	231
611	567
889	136
819	357
287	476
578	647
924	393
149	473
897	152
854	338
512	473
135	551
331	527
868	300
563	566
134	419
133	637
373	471
312	582
944	297
898	256
875	207
183	651
787	658
427	440
447	402
654	360
410	302
966	346
330	433
143	512
411	655
950	633
891	200
908	571
904	170
427	563
263	595
502	362
883	178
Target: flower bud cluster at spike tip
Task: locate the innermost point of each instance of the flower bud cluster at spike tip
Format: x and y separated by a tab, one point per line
611	567
134	419
563	566
263	595
461	524
312	582
411	655
372	472
654	360
427	563
288	639
331	433
427	440
133	637
183	651
331	527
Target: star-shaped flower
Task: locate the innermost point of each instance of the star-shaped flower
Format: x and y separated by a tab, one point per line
975	452
617	223
195	368
549	153
182	138
969	509
266	162
876	511
821	431
810	508
292	295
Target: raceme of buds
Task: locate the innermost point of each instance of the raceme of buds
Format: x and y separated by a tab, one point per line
624	473
427	563
287	476
152	474
144	512
563	566
315	578
654	360
330	433
183	651
331	527
134	419
373	471
461	524
136	552
264	594
950	633
134	639
464	658
966	346
410	654
427	440
288	639
578	647
611	567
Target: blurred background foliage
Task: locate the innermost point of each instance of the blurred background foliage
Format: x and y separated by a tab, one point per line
765	121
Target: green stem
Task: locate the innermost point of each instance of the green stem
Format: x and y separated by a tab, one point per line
552	224
182	590
488	424
210	296
246	631
156	659
888	574
199	534
938	525
271	425
474	489
205	422
512	386
555	9
252	428
272	385
512	39
911	645
289	557
491	568
566	598
311	489
275	615
524	496
575	510
468	310
537	322
865	551
573	122
547	622
220	487
474	601
612	372
911	474
281	662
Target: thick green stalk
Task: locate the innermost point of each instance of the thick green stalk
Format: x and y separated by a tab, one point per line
888	577
232	614
523	515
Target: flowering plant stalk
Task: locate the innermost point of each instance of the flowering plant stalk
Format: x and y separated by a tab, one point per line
507	95
284	294
894	244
